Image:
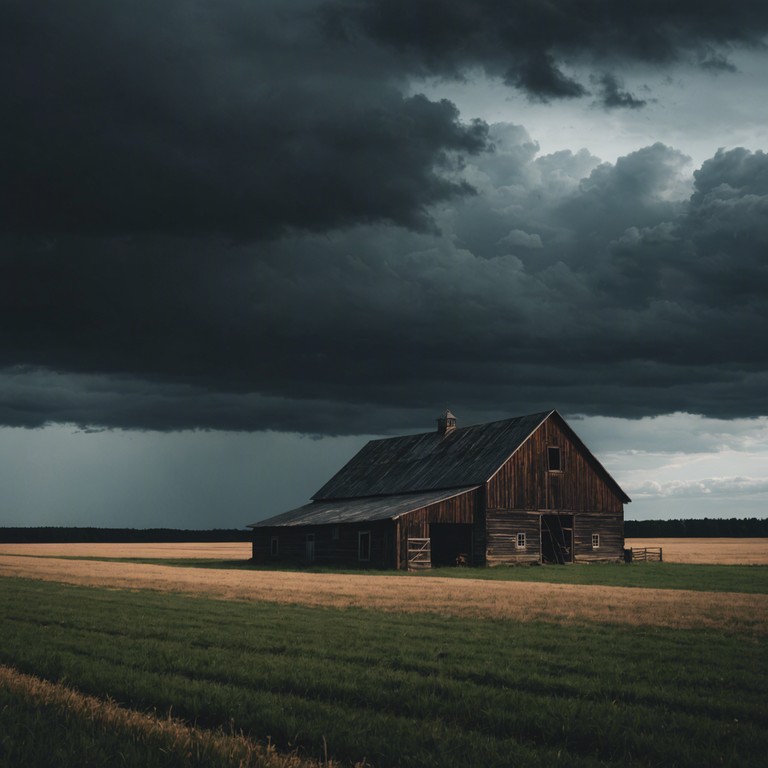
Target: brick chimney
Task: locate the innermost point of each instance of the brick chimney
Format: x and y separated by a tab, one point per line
446	423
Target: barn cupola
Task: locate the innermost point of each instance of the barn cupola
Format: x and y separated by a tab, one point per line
446	423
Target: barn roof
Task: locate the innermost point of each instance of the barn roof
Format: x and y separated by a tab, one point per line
431	461
359	510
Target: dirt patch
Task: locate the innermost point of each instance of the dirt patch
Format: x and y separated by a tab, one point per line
713	551
455	597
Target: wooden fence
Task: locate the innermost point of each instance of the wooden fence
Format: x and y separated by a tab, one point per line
419	554
645	554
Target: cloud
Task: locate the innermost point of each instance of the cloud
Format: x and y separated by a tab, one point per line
633	301
664	437
243	216
705	487
531	44
612	96
191	119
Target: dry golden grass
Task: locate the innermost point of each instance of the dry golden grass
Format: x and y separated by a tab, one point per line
517	601
713	551
232	550
175	735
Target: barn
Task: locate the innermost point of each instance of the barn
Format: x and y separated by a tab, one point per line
521	490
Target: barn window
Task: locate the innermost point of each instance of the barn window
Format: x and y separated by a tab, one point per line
310	547
364	545
553	455
273	546
595	541
520	541
335	532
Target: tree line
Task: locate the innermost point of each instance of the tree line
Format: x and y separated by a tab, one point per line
639	529
751	527
56	535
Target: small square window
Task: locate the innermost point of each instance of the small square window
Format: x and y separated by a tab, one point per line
520	544
273	546
553	457
364	545
595	541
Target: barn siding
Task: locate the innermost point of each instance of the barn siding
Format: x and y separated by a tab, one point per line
415	525
524	481
611	531
502	526
328	551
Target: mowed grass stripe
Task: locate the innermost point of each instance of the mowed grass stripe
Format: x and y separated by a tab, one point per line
92	731
401	689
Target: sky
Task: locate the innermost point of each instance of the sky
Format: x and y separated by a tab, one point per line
238	240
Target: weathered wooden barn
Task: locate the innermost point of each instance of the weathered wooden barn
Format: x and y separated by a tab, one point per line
522	490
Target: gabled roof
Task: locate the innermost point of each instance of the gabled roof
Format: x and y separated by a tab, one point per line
463	457
359	510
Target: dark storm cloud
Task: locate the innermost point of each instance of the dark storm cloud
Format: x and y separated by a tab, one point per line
238	216
597	288
249	120
529	43
235	118
613	97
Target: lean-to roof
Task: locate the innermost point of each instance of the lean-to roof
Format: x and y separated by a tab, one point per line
359	510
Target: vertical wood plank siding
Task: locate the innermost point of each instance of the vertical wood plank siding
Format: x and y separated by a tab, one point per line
415	525
525	482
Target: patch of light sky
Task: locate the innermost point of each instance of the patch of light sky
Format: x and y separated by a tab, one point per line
693	110
673	466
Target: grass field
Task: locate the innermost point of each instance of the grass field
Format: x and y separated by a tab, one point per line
382	670
397	689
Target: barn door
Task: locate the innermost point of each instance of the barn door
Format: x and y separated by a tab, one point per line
557	539
310	548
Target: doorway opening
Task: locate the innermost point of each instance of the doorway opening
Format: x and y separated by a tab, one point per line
557	539
451	544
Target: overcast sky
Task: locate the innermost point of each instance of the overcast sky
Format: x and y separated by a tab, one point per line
239	239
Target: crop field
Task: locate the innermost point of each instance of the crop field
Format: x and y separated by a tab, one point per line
120	661
714	551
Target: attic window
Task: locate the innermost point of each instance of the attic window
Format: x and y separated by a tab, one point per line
553	456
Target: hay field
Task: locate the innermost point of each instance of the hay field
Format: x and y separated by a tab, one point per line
712	551
721	551
233	550
518	601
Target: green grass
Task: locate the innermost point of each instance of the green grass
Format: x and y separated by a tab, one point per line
411	690
46	735
752	579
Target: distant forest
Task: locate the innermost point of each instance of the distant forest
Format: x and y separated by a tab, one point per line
633	529
55	535
751	527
